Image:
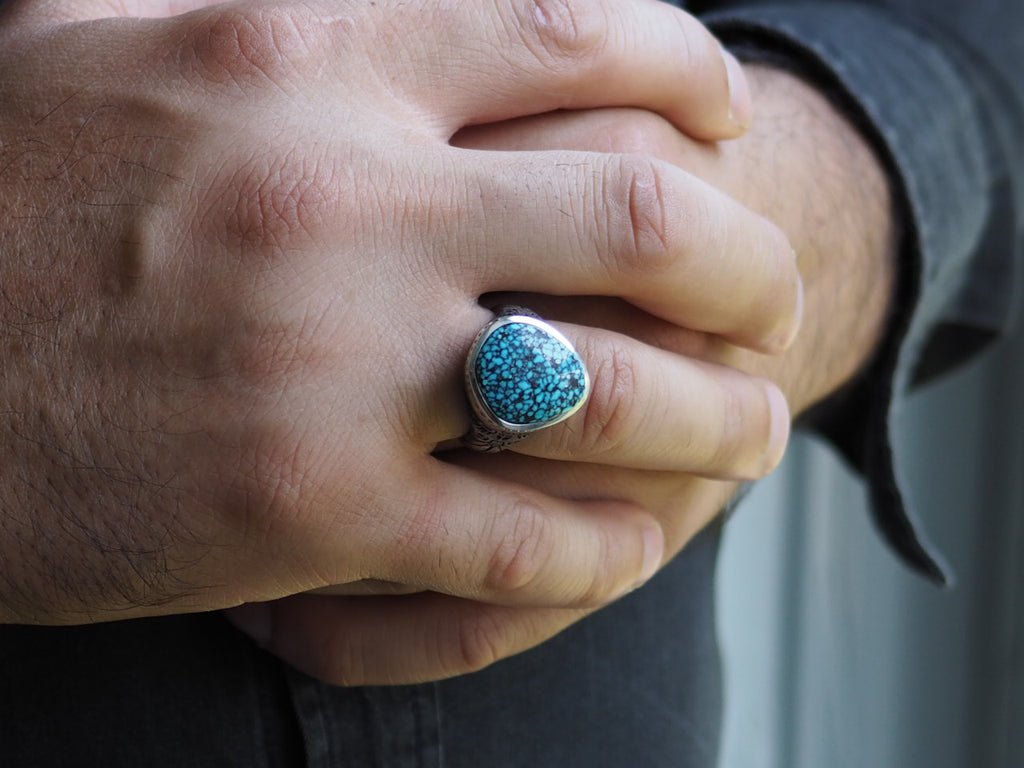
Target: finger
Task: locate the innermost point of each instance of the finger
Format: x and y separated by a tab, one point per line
683	504
572	54
651	409
500	542
57	11
394	640
464	63
613	129
626	226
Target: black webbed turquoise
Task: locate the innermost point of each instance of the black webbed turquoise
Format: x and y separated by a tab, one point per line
527	376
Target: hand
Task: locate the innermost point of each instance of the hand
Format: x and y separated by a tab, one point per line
836	210
240	273
803	167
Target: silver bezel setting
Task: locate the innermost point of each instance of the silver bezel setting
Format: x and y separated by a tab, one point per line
478	401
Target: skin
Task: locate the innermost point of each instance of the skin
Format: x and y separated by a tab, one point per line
837	212
241	268
801	165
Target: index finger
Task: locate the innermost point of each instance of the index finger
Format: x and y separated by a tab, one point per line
492	61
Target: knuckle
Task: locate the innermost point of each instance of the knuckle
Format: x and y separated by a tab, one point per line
243	47
482	639
608	414
562	32
273	202
636	196
524	549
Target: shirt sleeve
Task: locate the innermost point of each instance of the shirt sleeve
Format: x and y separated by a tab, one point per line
930	84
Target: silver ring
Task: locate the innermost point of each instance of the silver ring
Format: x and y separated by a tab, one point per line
522	375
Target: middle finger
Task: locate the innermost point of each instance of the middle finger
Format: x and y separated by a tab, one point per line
621	225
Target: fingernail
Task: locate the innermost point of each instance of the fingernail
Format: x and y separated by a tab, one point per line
741	107
779	436
654	551
253	619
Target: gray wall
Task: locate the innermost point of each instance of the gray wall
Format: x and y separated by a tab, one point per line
836	656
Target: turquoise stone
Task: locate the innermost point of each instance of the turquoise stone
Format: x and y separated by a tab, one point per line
527	376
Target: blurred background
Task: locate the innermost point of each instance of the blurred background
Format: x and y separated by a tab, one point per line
836	655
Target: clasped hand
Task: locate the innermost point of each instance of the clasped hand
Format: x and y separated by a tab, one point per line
242	264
